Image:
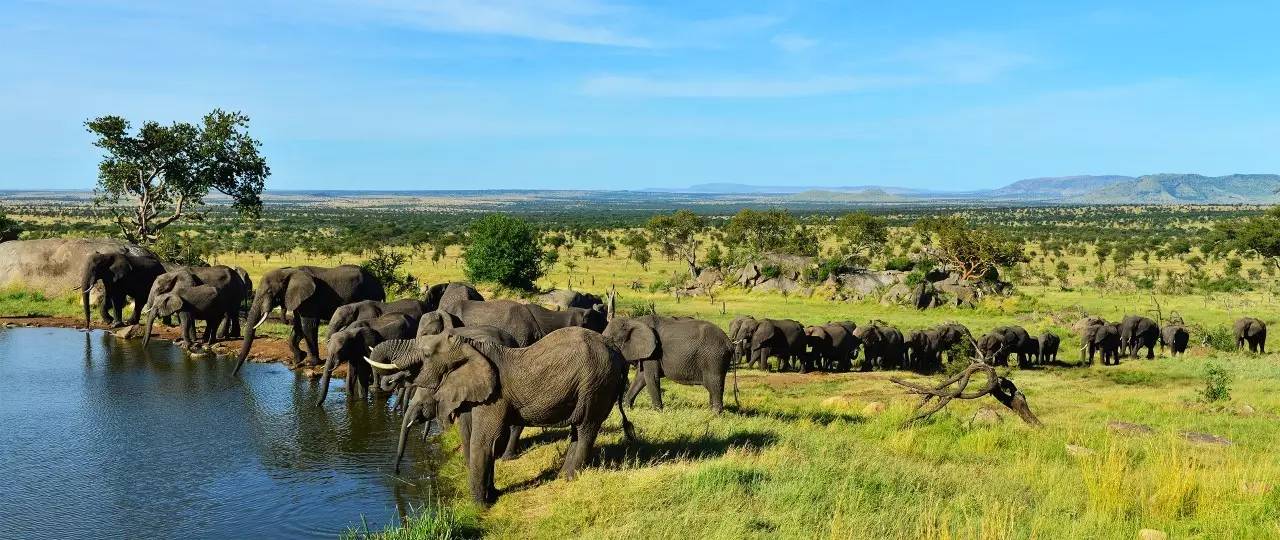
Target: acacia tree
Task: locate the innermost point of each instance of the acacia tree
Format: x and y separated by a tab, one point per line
9	229
971	252
752	233
859	234
677	234
1260	235
160	174
504	250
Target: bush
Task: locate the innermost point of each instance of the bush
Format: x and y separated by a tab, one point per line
771	271
385	265
9	229
903	264
1221	338
1217	384
503	250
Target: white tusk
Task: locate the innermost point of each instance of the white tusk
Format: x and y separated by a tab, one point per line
146	310
379	365
264	319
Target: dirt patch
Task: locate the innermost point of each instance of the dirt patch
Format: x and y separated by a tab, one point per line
265	348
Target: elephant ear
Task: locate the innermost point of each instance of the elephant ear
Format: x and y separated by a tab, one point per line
198	296
448	321
434	294
470	382
635	341
300	288
119	268
170	303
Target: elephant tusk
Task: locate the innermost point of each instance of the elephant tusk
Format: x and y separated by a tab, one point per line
379	365
146	309
264	319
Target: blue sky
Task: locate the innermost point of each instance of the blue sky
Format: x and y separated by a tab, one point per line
400	94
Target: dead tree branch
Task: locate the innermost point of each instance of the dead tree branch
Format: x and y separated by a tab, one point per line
934	399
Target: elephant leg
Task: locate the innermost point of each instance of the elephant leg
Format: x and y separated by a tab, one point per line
117	309
511	447
211	329
762	358
634	390
311	333
295	336
137	310
580	450
715	390
651	383
104	310
486	429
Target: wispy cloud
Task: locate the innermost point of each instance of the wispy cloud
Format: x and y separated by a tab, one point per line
941	62
793	43
566	21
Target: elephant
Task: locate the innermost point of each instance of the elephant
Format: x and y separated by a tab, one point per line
740	330
572	376
123	274
922	350
370	309
1175	337
882	345
509	315
354	342
312	293
832	346
439	321
948	336
1002	341
204	302
1252	331
1049	344
783	338
549	320
687	351
1137	332
1104	339
224	278
449	293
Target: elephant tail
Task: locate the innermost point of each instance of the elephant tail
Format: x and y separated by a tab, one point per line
628	429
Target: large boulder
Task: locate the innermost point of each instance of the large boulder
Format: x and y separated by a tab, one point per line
866	282
52	266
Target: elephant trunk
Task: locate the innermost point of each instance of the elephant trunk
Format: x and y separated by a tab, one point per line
151	319
396	355
258	313
244	348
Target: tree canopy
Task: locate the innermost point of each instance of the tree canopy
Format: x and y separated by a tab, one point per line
973	252
1260	235
160	174
751	232
504	250
677	233
9	229
858	235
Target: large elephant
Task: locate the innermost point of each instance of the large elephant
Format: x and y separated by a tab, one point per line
593	318
924	350
832	346
1174	337
883	346
446	294
572	376
687	351
201	302
372	309
353	343
124	274
509	315
1104	339
1049	345
781	338
740	330
1003	341
312	294
1137	332
1253	332
227	280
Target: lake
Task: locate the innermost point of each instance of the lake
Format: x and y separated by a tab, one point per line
102	438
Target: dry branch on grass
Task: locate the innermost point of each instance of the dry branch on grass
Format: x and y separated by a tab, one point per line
933	399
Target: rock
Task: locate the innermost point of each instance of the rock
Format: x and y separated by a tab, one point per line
1079	451
1205	438
202	354
1127	428
1152	534
709	278
778	284
865	282
1254	488
1246	410
562	299
986	416
133	331
874	408
52	265
897	294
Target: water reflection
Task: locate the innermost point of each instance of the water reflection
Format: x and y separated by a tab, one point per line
139	442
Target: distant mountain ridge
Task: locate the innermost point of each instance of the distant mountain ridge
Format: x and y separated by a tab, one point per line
1162	188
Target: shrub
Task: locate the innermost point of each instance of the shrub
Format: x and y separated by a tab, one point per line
503	250
903	264
9	229
1217	383
385	265
771	271
1221	338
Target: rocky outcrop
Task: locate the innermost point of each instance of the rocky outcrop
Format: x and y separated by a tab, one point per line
52	265
562	299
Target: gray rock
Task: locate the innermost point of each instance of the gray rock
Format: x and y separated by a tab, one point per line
1246	410
1079	451
1205	438
132	331
986	416
874	408
52	265
1152	534
1128	428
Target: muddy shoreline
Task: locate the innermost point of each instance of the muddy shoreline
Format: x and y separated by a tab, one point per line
266	349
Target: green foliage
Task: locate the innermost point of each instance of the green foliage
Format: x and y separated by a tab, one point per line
903	264
750	233
503	250
859	235
1217	384
1220	337
1260	234
170	169
9	229
677	234
430	523
715	257
972	252
180	249
770	271
387	265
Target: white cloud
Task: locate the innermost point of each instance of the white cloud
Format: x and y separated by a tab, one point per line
566	21
613	85
793	43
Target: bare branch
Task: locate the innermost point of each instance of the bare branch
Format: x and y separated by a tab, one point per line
934	399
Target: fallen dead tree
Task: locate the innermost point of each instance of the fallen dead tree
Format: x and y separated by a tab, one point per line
934	399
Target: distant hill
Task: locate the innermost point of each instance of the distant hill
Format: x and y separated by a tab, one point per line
867	195
1053	188
1187	189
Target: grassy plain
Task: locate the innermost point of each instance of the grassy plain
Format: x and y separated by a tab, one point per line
799	459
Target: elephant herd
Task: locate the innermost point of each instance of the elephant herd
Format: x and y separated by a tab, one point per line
497	366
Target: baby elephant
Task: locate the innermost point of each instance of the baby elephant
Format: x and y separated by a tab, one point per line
1175	337
203	302
1049	343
